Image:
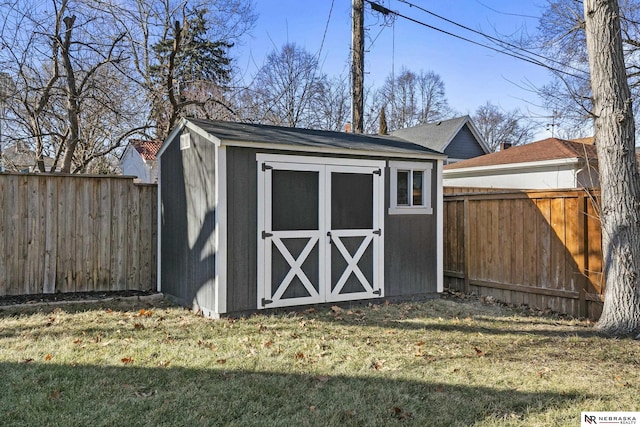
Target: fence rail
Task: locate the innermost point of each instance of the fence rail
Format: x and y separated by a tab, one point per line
540	248
62	233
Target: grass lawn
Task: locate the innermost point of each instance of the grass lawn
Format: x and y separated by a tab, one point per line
437	363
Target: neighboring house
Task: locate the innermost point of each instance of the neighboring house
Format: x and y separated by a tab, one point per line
255	217
17	158
546	164
139	159
458	138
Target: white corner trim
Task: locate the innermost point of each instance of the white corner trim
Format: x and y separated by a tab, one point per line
206	135
439	229
220	201
159	231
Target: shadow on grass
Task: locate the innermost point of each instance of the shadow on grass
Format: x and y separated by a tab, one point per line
48	394
430	316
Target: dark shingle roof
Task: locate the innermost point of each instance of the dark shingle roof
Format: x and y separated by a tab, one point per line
230	132
546	149
438	135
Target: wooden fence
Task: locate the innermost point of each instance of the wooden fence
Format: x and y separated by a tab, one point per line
76	233
540	248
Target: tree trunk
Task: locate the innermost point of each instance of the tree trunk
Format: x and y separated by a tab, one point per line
73	113
619	178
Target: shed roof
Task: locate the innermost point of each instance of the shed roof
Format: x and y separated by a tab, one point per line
231	133
438	135
546	149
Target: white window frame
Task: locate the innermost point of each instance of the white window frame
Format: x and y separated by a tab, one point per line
425	168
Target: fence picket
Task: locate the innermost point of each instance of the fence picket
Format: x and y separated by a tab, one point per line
538	248
66	233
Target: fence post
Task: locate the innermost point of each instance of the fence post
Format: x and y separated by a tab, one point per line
467	244
583	258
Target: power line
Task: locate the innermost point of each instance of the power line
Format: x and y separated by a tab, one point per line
495	39
326	28
378	8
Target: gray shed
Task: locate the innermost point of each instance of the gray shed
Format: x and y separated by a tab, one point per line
254	217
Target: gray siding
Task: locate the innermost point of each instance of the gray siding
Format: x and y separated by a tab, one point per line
187	223
242	224
464	145
188	220
410	264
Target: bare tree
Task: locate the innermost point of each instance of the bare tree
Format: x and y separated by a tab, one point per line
561	37
59	60
412	99
180	54
91	73
618	169
333	104
286	88
498	127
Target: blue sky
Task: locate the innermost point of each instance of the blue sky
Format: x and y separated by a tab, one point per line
472	74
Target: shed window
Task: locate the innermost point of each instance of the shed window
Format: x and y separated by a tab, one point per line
410	188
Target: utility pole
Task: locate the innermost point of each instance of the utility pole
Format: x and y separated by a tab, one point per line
357	67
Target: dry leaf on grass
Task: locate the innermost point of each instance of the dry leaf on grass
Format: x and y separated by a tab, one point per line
144	313
126	360
377	364
48	357
400	414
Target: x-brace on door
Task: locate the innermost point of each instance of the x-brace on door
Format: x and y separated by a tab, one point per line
320	232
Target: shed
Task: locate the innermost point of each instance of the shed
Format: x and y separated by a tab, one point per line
254	217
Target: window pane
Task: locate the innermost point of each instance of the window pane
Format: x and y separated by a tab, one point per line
294	203
351	201
403	188
417	188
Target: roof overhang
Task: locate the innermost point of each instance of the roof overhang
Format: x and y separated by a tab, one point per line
569	163
185	123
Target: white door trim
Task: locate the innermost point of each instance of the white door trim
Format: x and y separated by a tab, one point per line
269	294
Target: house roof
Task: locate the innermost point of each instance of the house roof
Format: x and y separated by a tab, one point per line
147	149
19	158
438	135
546	149
231	133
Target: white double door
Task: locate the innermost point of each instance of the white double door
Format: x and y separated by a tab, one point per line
320	230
